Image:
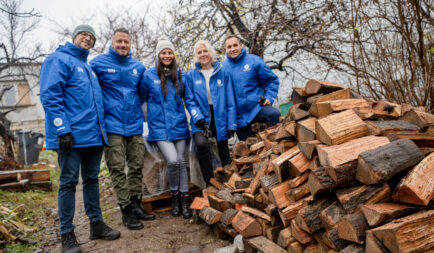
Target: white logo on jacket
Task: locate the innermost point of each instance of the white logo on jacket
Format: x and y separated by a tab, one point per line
193	113
219	82
198	81
157	81
58	122
80	69
246	67
111	70
134	72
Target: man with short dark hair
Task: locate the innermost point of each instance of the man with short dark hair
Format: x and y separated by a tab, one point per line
119	76
255	87
75	128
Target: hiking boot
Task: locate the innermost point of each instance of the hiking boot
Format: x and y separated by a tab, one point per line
129	218
176	210
69	243
99	230
138	211
185	204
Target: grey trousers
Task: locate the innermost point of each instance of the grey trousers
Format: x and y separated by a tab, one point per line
173	152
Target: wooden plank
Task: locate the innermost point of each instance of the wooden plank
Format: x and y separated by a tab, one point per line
396	235
264	245
418	118
277	195
380	164
21	186
340	127
246	225
305	129
353	228
349	151
331	215
340	94
327	107
384	127
380	213
280	164
210	215
308	148
417	187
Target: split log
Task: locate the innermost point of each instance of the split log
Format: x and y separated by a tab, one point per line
285	238
251	140
211	190
235	177
353	228
243	183
353	248
320	182
373	245
225	195
290	128
297	114
255	212
298	95
257	146
283	146
380	164
241	149
269	144
318	86
255	183
215	183
265	198
277	195
246	160
264	245
296	247
377	214
418	186
391	108
269	181
344	174
331	239
413	233
349	151
298	180
308	148
282	133
289	212
225	228
210	215
272	232
280	164
308	217
331	215
31	175
298	193
340	94
352	198
227	216
382	127
340	127
312	248
218	204
418	118
305	129
366	113
298	164
299	234
246	225
327	107
199	203
421	139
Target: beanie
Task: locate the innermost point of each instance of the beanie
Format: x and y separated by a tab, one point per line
83	28
163	43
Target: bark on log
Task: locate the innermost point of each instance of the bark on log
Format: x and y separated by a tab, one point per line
277	195
246	225
380	213
382	127
308	217
210	215
331	215
227	216
331	239
269	181
299	234
344	174
320	182
353	228
289	212
418	118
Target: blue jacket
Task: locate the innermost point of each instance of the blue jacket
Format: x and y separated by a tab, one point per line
166	115
119	78
222	95
72	98
252	79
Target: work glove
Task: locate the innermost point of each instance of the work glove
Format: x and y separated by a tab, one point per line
230	133
202	124
66	142
262	101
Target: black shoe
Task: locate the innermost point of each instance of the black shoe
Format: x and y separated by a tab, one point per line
129	218
69	243
138	211
176	210
99	230
185	204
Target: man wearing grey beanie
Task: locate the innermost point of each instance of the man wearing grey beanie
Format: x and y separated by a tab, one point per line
75	129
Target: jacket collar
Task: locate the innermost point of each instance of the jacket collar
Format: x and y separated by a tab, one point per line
117	56
241	55
74	50
217	66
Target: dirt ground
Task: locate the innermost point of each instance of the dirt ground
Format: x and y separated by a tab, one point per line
165	234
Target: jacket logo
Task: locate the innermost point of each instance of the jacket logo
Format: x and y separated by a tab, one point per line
246	67
93	74
58	122
134	72
198	81
157	81
80	69
219	82
193	113
111	70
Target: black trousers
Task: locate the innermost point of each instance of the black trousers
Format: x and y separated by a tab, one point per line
204	152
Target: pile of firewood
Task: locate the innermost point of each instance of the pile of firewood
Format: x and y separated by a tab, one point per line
37	177
339	174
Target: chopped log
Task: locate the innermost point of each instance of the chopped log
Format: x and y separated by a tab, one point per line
418	186
289	212
373	245
227	216
380	164
265	153
199	203
316	86
421	139
21	186
241	149
331	215
290	128
340	127
320	182
246	225
211	190
353	228
285	238
298	95
269	181
418	118
269	144
391	108
256	180
299	180
215	183
299	234
225	195
352	198
264	245
296	247
246	160
340	94
308	217
297	114
282	133
280	164
265	198
235	177
257	146
413	233
349	151
272	233
305	129
353	248
313	98
344	174
298	164
298	193
308	148
277	195
271	132
255	212
283	146
327	107
314	163
251	140
218	204
380	213
31	175
331	239
312	248
382	127
210	215
222	174
243	183
226	228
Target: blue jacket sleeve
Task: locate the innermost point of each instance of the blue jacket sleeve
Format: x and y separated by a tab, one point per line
269	80
53	78
190	102
142	89
230	101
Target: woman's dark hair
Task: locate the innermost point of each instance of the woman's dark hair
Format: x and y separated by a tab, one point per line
173	67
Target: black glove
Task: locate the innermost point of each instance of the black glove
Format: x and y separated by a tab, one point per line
66	142
230	133
262	101
207	131
201	123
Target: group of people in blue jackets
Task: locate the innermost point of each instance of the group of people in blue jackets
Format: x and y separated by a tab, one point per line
95	108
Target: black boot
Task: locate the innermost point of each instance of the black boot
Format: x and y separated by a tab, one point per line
138	211
99	230
129	218
69	243
176	211
185	204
